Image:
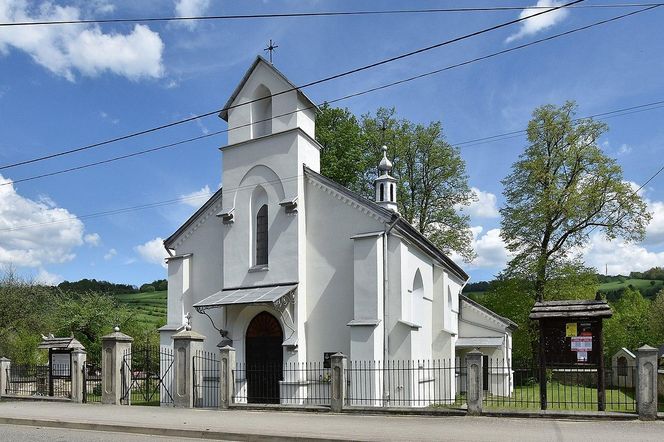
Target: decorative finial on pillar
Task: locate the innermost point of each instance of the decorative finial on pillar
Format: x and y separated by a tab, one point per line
188	325
116	329
271	48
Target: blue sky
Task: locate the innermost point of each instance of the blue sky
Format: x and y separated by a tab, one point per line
66	86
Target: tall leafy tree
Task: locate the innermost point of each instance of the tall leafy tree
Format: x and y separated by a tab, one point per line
561	189
431	175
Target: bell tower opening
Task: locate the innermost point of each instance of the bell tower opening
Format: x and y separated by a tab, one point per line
261	112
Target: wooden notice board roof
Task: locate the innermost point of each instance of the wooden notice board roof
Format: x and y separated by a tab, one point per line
52	343
571	309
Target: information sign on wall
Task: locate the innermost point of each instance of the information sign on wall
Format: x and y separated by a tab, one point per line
570	329
582	343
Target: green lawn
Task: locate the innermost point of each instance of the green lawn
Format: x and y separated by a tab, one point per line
148	307
564	397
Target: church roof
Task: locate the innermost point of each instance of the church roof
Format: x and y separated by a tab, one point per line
504	320
401	225
224	112
171	239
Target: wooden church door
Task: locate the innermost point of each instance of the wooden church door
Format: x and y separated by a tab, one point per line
264	357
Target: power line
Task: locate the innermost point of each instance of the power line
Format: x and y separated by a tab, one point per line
610	114
314	14
366	91
312	83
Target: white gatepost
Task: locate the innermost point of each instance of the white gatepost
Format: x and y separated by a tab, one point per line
5	365
186	345
226	376
78	359
113	349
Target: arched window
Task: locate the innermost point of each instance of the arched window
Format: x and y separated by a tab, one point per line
261	236
622	366
258	241
261	112
382	192
416	299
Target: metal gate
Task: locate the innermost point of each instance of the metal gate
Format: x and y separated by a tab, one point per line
91	382
206	379
147	376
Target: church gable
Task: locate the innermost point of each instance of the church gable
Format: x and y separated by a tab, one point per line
266	102
207	210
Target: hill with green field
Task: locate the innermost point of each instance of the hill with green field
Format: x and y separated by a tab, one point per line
149	307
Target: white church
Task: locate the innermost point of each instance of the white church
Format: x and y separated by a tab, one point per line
287	266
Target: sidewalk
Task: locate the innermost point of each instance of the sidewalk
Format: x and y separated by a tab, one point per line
280	425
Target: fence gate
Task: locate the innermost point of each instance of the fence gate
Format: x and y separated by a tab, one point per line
147	376
206	379
91	382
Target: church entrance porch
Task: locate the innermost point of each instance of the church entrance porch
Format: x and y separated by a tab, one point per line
264	359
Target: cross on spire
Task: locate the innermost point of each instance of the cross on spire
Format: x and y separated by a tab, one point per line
271	48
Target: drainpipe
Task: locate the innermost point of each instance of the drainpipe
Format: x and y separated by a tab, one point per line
386	346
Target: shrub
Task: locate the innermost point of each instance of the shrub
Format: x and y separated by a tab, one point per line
147	288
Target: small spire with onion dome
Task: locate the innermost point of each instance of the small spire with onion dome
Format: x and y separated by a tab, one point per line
385	184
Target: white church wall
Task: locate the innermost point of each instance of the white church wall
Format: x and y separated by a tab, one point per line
330	224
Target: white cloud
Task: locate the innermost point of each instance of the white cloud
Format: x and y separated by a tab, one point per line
190	8
54	235
83	48
110	254
196	198
624	149
153	251
534	25
490	250
618	256
484	207
655	230
46	278
92	239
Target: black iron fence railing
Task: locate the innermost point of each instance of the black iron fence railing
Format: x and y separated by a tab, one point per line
92	382
568	387
147	375
306	383
410	383
206	379
38	380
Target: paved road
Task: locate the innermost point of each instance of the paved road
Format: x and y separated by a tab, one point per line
249	425
21	433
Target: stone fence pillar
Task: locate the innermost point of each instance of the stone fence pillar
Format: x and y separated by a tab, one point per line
78	358
5	364
338	363
113	348
646	382
226	378
186	345
475	389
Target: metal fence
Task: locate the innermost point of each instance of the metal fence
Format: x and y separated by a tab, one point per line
39	380
91	382
409	383
567	387
147	375
306	383
206	379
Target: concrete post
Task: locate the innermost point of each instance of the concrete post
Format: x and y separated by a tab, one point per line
646	382
226	378
113	349
186	344
78	358
338	363
5	364
475	389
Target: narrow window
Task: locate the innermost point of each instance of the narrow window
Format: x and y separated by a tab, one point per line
391	192
382	192
261	236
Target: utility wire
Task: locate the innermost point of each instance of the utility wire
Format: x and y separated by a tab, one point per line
314	14
356	94
312	83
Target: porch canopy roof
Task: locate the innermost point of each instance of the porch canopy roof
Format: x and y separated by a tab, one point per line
480	342
276	294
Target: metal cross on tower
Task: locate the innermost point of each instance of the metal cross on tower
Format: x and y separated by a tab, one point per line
270	48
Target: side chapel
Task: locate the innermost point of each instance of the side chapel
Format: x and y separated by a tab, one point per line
286	266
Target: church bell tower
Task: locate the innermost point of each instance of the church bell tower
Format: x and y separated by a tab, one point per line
385	184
